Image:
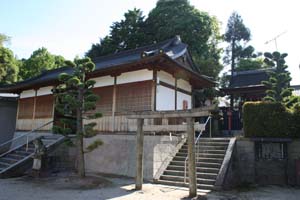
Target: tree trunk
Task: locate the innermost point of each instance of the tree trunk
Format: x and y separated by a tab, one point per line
232	69
79	133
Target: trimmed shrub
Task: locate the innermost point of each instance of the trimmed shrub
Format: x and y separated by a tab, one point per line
268	119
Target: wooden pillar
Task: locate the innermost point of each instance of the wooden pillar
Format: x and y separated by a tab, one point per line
114	103
191	157
139	154
34	108
176	93
154	89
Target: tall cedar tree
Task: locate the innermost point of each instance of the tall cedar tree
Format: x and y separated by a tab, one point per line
75	100
279	81
236	32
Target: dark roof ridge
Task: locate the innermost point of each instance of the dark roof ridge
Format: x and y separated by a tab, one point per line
254	71
62	69
163	44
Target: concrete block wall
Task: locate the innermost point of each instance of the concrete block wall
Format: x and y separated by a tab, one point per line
245	169
117	155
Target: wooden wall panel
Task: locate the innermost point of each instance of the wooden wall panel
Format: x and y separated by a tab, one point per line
104	105
44	106
26	108
134	96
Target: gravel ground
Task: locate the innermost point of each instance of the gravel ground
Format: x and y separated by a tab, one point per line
60	187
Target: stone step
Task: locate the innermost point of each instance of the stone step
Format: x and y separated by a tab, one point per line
181	179
201	187
198	164
23	152
183	153
203	155
8	160
204	151
15	156
199	169
202	175
201	158
198	159
211	143
30	148
208	147
214	139
4	164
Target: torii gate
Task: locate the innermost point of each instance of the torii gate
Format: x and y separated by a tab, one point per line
190	128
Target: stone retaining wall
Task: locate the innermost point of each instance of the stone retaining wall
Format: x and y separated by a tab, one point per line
247	169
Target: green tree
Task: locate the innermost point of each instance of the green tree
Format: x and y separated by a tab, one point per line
75	100
126	34
245	64
40	60
196	28
169	18
8	66
236	33
3	38
279	81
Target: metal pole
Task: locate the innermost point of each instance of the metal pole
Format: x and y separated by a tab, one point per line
191	157
139	154
210	127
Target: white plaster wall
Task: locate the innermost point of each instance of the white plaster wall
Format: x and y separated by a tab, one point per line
185	85
44	91
103	81
135	76
166	77
165	98
27	93
181	97
296	92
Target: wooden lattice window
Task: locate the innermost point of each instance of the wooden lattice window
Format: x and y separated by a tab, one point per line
104	104
44	106
134	96
26	108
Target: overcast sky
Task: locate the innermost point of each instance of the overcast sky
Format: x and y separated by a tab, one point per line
69	27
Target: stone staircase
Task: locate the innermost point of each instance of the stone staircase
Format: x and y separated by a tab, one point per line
19	159
210	154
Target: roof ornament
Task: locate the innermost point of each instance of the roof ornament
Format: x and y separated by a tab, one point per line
148	53
177	39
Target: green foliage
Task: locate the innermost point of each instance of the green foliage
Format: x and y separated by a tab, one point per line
40	60
169	18
237	34
279	81
75	100
126	34
292	102
250	64
196	28
8	66
94	145
3	38
270	119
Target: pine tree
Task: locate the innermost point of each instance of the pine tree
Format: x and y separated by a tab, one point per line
279	78
74	100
